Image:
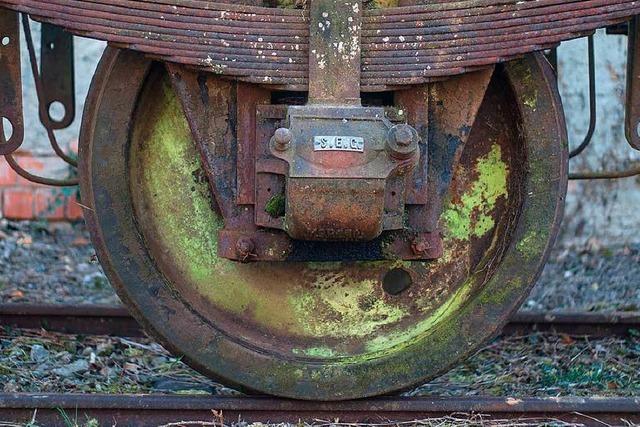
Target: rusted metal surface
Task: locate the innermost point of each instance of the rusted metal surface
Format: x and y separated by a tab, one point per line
334	51
574	324
14	88
116	321
15	165
11	119
327	192
76	319
157	244
400	45
270	188
57	76
150	410
453	106
593	100
341	160
249	98
40	92
171	206
632	116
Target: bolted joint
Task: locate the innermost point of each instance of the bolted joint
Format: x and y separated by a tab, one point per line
420	245
245	248
281	139
402	141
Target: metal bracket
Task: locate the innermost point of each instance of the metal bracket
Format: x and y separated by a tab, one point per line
57	76
341	162
11	118
632	117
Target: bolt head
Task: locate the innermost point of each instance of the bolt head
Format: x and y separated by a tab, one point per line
245	247
419	246
282	139
404	135
402	141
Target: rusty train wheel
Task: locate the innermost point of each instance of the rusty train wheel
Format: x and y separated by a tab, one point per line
323	331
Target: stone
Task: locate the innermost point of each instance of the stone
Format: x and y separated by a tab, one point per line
71	369
39	354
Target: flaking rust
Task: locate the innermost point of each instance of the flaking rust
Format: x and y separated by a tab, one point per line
323	329
11	119
288	230
250	43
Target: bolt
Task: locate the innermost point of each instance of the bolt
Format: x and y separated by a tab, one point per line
419	245
404	135
402	141
245	247
282	139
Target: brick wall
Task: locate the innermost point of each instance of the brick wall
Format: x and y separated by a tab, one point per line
22	199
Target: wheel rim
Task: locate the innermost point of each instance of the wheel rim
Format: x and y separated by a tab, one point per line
274	328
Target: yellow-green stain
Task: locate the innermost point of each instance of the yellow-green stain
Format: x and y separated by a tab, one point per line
532	244
531	100
414	333
174	153
524	74
312	301
319	352
356	309
381	4
472	217
330	305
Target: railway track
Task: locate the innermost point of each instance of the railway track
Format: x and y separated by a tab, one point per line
115	320
149	410
171	410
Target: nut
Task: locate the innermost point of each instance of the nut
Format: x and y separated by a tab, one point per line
404	135
245	248
402	141
282	139
419	245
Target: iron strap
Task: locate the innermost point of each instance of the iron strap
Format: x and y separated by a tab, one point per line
400	45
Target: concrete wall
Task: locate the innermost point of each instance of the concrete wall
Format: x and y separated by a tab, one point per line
597	212
603	212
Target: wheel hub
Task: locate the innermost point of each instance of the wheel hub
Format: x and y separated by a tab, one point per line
340	162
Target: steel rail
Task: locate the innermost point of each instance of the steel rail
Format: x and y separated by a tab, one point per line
274	46
157	410
116	320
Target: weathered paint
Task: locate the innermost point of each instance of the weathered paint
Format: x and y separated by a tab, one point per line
530	95
472	217
239	349
532	243
314	301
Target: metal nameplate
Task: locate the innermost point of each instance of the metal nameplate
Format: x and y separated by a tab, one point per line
338	143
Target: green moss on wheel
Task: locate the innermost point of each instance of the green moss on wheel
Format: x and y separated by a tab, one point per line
472	217
312	303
